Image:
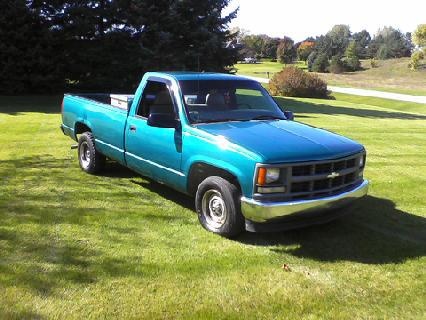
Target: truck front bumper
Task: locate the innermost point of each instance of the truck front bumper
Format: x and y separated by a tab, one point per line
298	213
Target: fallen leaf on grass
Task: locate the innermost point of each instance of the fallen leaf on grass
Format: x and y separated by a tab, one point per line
286	267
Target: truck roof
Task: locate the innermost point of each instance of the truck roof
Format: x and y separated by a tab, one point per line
187	75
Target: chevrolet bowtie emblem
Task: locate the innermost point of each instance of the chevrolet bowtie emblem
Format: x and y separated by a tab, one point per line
333	175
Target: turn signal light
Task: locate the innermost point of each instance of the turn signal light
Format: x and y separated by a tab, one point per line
261	176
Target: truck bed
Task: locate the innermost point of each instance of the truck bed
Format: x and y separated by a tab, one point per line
121	101
105	117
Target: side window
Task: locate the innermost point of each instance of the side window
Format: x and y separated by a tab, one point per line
156	98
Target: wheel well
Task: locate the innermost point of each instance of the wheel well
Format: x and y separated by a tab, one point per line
81	128
200	171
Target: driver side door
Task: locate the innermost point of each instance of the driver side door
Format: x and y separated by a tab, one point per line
153	151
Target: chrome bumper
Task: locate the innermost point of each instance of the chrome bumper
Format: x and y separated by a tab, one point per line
257	211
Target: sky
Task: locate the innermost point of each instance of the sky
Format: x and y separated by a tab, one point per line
300	19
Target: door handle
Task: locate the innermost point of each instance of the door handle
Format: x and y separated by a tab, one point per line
132	128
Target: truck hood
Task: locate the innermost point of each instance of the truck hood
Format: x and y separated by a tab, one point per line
284	141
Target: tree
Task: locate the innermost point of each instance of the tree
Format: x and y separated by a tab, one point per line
362	40
389	43
239	33
259	46
108	44
340	35
251	46
324	45
285	51
311	59
336	65
304	49
320	63
269	47
351	57
419	36
27	59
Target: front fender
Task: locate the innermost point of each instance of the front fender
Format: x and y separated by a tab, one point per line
240	162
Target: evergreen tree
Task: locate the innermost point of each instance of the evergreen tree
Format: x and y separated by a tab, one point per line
27	59
336	65
324	45
351	57
311	59
109	44
320	63
362	40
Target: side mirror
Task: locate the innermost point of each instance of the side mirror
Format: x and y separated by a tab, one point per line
289	115
162	120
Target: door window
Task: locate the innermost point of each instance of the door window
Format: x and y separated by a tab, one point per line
156	98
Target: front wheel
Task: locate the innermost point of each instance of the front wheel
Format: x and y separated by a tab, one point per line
218	206
90	160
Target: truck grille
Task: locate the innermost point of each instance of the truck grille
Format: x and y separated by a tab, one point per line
317	179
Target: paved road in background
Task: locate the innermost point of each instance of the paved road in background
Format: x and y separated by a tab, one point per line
365	92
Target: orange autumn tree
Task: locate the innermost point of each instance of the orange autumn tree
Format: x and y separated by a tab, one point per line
305	49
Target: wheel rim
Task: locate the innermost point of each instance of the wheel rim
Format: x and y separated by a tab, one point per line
214	208
85	155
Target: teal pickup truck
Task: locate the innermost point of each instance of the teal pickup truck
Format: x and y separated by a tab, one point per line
223	139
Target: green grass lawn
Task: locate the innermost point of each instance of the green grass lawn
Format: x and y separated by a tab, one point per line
392	75
117	245
260	69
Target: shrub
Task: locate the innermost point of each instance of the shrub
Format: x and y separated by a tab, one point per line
336	65
374	63
416	57
320	63
352	64
273	60
294	82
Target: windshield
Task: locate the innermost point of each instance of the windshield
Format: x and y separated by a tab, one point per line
228	100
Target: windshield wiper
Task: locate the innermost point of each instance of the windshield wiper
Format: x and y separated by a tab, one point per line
267	117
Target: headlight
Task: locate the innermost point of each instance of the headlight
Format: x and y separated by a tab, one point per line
267	175
272	175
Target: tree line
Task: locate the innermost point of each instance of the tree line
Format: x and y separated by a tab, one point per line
107	45
92	45
338	50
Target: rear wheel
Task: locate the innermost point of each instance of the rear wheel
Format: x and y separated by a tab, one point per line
90	160
218	206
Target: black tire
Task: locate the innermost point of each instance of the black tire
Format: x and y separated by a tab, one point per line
218	207
90	160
